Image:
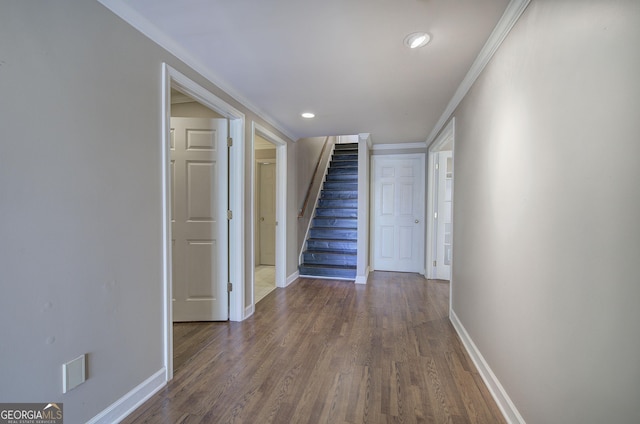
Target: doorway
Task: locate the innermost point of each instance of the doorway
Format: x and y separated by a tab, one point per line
440	205
228	197
269	199
265	218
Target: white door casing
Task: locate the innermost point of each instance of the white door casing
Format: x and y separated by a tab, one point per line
443	219
267	212
198	155
441	204
398	195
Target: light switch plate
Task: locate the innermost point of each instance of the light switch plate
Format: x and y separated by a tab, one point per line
74	373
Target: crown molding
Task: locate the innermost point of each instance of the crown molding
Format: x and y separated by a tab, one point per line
400	146
142	24
512	13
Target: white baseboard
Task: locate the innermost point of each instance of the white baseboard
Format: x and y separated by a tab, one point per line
362	279
124	406
293	277
508	409
249	310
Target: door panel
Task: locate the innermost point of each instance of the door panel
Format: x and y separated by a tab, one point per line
267	213
199	224
398	221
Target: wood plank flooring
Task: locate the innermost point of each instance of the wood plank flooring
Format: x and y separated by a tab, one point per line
326	351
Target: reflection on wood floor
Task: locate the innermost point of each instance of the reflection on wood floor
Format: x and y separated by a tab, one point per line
329	351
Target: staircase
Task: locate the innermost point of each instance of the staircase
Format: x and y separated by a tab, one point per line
333	236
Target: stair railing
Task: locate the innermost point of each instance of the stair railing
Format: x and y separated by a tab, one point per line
313	179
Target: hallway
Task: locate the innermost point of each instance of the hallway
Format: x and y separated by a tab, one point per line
328	351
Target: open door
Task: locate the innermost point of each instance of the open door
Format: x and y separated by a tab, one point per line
198	154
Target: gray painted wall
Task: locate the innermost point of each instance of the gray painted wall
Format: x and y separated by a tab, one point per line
547	201
307	156
80	208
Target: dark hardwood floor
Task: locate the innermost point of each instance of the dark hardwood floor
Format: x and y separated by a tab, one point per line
326	351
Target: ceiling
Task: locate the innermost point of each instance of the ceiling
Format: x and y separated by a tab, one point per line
344	60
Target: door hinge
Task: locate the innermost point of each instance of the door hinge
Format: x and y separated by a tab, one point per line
435	215
435	263
229	141
229	215
229	287
437	166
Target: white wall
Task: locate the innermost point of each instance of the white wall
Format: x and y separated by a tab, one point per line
547	207
80	202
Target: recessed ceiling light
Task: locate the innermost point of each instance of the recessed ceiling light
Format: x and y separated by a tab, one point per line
308	115
416	39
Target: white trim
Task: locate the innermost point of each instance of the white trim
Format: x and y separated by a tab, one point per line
122	9
236	225
362	264
249	310
293	277
324	277
124	406
167	261
512	13
170	78
281	201
362	279
447	134
508	409
400	146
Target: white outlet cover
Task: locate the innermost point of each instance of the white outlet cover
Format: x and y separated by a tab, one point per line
73	373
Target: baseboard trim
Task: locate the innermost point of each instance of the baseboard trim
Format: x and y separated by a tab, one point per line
124	406
293	277
322	277
508	409
362	279
249	310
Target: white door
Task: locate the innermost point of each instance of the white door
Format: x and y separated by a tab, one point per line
398	213
443	217
199	222
267	213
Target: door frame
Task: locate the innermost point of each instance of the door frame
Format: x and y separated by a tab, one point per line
281	207
445	136
173	78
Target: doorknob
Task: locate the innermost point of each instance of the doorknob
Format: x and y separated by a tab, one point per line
262	219
417	221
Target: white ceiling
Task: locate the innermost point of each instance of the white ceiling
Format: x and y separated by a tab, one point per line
344	60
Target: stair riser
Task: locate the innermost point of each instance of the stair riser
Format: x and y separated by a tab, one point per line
336	223
347	274
337	203
333	245
333	233
343	146
337	185
344	163
346	170
346	156
317	258
339	194
342	178
337	212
